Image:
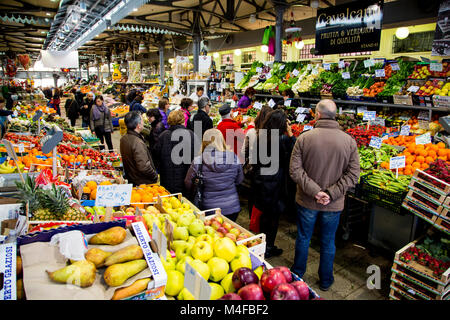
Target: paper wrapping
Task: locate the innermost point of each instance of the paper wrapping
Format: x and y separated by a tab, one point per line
41	256
134	71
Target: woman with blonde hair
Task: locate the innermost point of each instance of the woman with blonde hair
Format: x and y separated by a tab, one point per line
72	109
222	173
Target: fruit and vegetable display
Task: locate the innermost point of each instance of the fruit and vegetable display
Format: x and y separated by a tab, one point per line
387	180
370	158
362	134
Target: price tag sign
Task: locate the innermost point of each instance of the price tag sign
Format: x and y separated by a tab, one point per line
380	73
397	162
306	128
341	64
345	75
436	67
378	122
269	75
361	109
368	63
369	115
196	284
301	110
160	239
113	195
424	138
327	66
282	67
287	102
395	66
259	69
301	117
404	131
375	142
257	105
272	103
384	136
309	67
295	72
413	89
21	148
423	115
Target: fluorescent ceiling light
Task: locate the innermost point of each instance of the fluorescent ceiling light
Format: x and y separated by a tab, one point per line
264	48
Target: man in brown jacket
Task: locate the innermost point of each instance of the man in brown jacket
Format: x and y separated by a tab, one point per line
324	165
136	158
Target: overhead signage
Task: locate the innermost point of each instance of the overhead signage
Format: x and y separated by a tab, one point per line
351	27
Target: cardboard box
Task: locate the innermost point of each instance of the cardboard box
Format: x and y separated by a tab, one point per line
8	278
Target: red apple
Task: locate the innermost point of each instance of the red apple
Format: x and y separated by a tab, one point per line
284	291
286	273
251	292
220	234
227	226
222	230
270	278
231	236
243	276
208	222
216	225
302	289
231	296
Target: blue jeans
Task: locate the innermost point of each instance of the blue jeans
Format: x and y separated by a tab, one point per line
329	222
84	124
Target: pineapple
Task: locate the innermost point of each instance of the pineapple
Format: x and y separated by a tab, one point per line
55	201
74	215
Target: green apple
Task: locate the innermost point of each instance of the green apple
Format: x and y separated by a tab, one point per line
202	251
192	239
196	228
181	264
185	219
186	206
216	291
225	248
175	282
162	217
183	251
178	243
174	215
181	233
219	268
205	237
235	231
259	271
241	260
210	230
185	295
169	263
227	283
243	249
201	268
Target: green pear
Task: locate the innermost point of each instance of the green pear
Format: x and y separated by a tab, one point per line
185	219
132	252
227	283
80	273
117	274
210	230
216	291
97	256
111	236
192	240
181	264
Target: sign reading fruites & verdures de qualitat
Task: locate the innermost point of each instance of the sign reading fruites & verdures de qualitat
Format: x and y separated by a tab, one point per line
351	27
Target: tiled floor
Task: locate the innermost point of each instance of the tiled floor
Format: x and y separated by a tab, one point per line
350	266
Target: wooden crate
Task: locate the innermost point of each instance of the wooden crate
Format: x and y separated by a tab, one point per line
420	272
443	223
431	182
425	215
400	294
404	284
423	190
405	100
419	197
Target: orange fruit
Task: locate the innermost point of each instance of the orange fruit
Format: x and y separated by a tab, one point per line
86	190
408	172
424	166
92	185
442	152
420	159
106	183
416	165
93	194
409	160
148	197
429	159
423	153
135	197
441	145
432	154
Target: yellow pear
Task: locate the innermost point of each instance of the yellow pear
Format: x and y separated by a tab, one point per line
137	287
80	273
129	253
117	274
97	256
112	236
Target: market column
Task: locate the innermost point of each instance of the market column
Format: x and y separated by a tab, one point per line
161	63
279	10
196	51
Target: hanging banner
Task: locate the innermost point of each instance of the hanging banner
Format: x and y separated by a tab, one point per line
351	27
60	59
441	43
204	63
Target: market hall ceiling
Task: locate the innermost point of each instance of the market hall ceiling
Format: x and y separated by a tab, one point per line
27	26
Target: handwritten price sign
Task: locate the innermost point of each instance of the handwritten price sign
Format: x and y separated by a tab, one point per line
375	142
404	131
423	139
397	162
113	195
369	115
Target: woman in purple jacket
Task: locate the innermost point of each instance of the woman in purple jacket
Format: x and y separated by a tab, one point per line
222	173
163	106
247	98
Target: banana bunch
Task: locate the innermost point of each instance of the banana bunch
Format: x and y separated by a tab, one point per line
6	168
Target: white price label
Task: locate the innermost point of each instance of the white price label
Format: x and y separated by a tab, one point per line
288	102
413	89
369	115
424	138
397	162
375	142
309	67
21	148
395	66
436	67
295	72
300	110
368	63
269	75
257	105
161	240
327	66
379	73
385	136
345	75
282	67
306	128
378	122
259	69
196	284
341	64
404	131
361	109
301	117
272	103
113	195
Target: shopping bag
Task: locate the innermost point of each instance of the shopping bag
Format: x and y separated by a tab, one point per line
272	46
254	220
266	36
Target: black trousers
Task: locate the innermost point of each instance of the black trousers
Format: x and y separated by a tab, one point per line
104	136
268	223
232	216
73	122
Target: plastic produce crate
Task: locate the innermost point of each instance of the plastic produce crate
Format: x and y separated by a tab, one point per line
384	198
